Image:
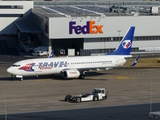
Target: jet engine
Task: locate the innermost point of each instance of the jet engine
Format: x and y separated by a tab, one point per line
71	74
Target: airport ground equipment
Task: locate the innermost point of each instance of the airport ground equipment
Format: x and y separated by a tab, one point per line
96	95
154	115
42	53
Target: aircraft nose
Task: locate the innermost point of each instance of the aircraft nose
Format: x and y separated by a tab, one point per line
9	70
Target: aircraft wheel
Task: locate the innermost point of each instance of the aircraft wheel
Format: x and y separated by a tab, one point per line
81	76
105	97
21	79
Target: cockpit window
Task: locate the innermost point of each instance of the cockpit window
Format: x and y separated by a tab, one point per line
15	65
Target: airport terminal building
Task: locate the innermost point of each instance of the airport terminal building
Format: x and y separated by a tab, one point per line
95	26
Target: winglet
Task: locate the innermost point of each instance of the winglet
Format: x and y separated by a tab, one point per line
51	55
136	60
124	48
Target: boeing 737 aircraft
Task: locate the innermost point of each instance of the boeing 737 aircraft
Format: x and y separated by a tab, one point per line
75	67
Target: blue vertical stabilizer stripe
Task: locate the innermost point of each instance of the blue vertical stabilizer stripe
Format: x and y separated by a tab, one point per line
125	45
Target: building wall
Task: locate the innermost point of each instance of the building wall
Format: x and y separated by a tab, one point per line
7	25
145	26
105	45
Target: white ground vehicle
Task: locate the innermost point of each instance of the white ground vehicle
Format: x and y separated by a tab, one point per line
97	94
155	115
40	48
42	53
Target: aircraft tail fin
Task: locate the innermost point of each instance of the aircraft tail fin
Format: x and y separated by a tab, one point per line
124	48
51	54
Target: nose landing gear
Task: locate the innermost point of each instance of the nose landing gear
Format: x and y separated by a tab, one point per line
20	77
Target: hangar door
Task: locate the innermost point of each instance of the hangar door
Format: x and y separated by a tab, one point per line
66	44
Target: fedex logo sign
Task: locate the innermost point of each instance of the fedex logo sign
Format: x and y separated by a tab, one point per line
89	28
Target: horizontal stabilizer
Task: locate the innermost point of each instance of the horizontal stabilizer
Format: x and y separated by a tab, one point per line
136	60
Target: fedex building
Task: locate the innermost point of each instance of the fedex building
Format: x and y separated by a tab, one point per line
95	26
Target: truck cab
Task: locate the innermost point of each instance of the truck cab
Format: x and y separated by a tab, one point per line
100	93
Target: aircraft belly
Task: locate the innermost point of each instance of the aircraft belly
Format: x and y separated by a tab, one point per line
47	72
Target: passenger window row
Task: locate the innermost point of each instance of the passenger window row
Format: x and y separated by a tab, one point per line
92	62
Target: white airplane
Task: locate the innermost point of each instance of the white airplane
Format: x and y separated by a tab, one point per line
75	67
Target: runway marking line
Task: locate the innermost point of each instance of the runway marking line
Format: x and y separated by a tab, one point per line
54	107
139	73
104	103
121	77
47	80
28	109
112	99
77	105
108	102
37	105
132	101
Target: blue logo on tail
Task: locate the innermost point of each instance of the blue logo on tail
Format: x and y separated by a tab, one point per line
125	45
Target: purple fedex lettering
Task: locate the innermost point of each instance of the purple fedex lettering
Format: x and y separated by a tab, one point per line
78	29
89	28
71	26
85	28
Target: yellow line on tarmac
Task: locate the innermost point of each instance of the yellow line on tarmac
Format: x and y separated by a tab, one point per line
121	77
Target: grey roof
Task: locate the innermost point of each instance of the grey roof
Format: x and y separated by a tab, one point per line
26	25
92	10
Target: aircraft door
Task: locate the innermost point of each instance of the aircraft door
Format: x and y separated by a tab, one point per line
100	94
116	61
35	67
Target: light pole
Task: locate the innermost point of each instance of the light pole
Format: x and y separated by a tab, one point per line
119	33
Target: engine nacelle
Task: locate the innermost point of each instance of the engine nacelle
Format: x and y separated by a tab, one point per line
71	74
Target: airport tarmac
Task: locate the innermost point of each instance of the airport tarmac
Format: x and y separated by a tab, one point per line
126	86
47	93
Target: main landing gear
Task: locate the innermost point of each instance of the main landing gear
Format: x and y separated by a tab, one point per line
82	75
